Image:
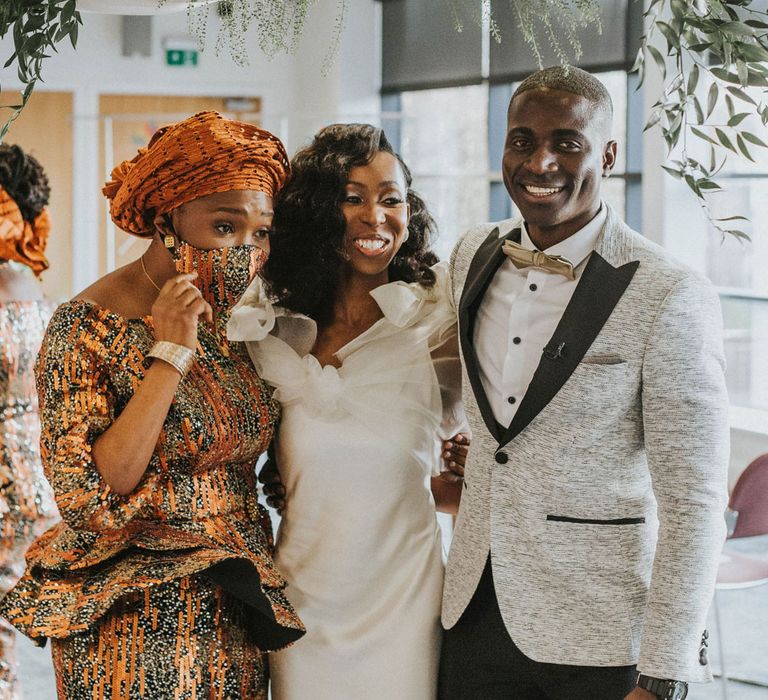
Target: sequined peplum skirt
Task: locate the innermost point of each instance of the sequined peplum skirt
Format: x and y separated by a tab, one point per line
74	578
186	640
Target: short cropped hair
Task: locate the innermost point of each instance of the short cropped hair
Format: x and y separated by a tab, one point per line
573	80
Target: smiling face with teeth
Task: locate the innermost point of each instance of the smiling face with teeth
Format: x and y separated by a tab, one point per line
376	213
557	150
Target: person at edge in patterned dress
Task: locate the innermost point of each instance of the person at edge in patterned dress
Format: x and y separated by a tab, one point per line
27	507
360	345
159	583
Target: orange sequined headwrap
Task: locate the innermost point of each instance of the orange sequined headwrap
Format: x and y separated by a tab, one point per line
204	154
20	240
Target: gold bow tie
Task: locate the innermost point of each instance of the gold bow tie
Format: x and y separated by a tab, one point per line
522	257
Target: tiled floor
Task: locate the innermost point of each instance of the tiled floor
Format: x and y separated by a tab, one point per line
745	625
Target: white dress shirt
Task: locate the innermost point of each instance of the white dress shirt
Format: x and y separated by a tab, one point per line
519	314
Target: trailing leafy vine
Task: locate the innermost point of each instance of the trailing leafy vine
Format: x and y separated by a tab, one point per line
718	48
558	21
279	25
36	26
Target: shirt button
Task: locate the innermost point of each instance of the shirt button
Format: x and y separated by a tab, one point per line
516	341
533	287
502	457
511	399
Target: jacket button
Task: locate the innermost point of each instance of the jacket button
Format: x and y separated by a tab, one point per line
502	457
703	656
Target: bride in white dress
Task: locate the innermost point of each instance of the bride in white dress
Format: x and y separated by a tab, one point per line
361	350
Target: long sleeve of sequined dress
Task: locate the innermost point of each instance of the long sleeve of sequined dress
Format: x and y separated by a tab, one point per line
194	511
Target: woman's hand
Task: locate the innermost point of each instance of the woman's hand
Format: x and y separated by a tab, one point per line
120	458
177	309
274	490
455	457
447	486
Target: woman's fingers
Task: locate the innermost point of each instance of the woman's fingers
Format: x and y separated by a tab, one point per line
207	312
276	489
269	473
269	476
455	453
178	309
188	295
277	503
454	449
273	487
173	283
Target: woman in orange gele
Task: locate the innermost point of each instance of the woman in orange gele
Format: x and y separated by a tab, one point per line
26	501
160	581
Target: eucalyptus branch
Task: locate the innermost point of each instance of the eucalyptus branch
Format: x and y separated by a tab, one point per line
36	26
725	44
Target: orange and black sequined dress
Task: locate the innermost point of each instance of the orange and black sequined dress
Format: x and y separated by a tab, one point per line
26	500
170	591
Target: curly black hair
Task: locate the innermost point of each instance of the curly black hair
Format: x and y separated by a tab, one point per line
304	266
24	179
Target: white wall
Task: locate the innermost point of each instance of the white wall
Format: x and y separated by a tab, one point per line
288	85
299	93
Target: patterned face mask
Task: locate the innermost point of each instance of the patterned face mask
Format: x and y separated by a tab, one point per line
223	274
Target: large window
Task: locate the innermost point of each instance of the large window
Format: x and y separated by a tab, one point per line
443	139
736	267
452	138
445	97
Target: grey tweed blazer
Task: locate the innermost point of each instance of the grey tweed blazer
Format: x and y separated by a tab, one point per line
602	502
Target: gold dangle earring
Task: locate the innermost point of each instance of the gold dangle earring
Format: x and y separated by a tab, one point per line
169	239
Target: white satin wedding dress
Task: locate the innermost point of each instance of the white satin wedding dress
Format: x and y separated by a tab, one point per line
359	543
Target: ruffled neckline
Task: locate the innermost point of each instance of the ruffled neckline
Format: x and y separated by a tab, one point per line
402	303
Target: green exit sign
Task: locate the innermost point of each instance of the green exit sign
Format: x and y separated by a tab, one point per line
181	57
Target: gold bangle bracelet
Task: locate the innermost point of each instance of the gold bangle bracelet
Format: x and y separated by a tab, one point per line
180	357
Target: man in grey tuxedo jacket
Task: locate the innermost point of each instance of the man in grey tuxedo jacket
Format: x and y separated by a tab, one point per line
587	543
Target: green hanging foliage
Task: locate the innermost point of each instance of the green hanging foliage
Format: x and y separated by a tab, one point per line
558	22
717	47
713	47
36	26
279	24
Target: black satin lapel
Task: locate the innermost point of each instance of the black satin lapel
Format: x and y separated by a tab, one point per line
483	267
599	290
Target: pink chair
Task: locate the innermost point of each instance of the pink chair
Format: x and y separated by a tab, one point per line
747	516
749	500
